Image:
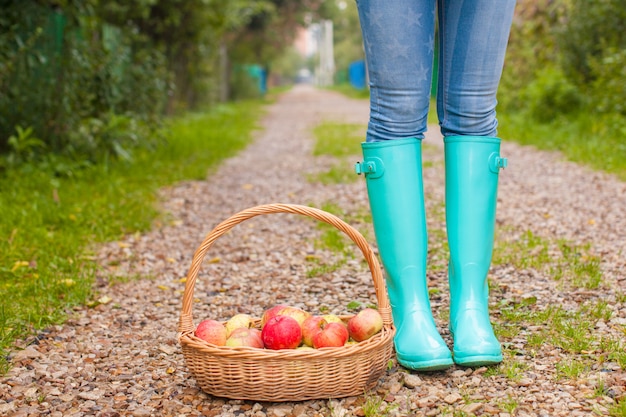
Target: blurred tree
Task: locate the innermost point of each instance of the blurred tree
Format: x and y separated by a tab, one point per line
592	31
565	55
82	73
347	31
532	47
191	34
272	31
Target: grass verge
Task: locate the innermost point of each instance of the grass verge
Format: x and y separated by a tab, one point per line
349	91
50	222
594	140
341	141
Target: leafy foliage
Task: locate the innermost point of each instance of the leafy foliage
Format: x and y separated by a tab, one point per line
593	31
565	57
91	79
65	73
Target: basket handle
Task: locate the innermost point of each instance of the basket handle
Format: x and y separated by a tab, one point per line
186	319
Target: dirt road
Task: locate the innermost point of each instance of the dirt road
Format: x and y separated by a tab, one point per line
558	286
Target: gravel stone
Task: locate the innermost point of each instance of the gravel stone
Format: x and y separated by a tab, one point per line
412	381
122	358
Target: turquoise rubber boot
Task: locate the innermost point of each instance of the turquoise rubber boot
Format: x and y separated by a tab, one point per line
393	173
472	166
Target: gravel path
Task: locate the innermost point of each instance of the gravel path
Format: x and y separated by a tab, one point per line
122	358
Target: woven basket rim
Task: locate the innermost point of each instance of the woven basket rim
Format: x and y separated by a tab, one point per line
186	316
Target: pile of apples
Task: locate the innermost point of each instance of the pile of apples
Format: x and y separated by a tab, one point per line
286	327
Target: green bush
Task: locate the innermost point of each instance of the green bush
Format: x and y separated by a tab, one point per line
609	87
551	95
81	86
591	29
244	84
587	138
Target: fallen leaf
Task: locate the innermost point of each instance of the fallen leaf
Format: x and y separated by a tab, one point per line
167	349
105	299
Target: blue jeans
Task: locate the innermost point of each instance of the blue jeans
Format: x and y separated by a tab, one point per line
399	48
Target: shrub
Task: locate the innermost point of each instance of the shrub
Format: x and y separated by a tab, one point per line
82	86
551	95
609	87
591	27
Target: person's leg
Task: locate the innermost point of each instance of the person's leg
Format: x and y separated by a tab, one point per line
398	37
398	43
473	35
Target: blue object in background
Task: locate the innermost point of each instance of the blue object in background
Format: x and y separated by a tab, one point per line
258	72
356	74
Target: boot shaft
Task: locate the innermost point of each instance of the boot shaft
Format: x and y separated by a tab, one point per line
393	173
472	166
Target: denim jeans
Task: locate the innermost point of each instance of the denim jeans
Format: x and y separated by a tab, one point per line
399	39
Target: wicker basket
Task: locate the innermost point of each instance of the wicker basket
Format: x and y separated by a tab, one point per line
286	375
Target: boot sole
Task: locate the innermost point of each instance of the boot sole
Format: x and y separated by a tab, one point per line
478	360
426	366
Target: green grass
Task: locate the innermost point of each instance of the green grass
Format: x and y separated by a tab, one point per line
342	141
618	409
590	139
376	406
571	369
573	265
349	91
50	223
572	331
334	240
509	404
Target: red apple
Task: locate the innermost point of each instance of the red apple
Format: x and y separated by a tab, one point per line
270	313
331	335
281	332
238	321
244	336
211	331
365	324
311	326
295	312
